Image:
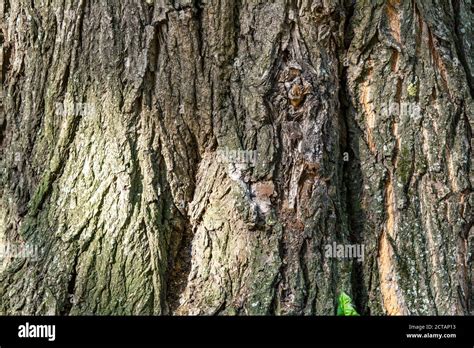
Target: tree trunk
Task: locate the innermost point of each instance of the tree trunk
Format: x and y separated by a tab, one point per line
199	157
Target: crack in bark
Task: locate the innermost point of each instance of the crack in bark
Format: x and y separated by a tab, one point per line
178	82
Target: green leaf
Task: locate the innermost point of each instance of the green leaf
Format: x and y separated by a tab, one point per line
345	307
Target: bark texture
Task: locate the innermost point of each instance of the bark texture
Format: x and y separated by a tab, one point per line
359	115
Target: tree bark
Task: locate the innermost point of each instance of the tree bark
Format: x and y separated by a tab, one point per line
121	122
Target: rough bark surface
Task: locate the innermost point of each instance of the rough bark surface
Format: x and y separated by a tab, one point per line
134	209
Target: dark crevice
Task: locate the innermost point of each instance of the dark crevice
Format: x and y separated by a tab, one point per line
6	6
6	57
353	181
199	9
470	269
66	310
305	273
179	266
65	80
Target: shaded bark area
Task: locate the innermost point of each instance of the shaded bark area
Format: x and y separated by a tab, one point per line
137	206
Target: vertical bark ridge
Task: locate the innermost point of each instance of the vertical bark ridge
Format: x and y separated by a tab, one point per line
138	206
